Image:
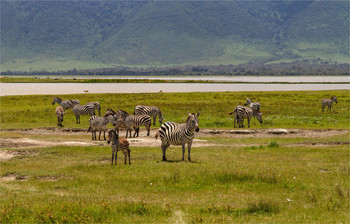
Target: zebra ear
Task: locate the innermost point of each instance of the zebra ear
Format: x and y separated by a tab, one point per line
197	114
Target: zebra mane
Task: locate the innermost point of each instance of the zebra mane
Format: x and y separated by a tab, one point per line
123	111
58	98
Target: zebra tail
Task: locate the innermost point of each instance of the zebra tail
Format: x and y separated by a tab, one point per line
89	129
230	113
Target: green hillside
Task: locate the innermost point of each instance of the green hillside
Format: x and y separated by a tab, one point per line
62	35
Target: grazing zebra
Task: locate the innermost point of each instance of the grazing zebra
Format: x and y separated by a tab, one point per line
120	114
172	133
66	104
59	113
110	112
83	110
246	112
100	124
255	105
136	121
328	103
97	106
118	145
152	111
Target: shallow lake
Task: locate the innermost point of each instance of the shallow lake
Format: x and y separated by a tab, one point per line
77	88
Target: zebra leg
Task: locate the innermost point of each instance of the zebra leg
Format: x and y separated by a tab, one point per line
112	155
189	145
125	156
183	151
148	130
164	148
104	135
99	135
136	131
129	155
248	122
154	120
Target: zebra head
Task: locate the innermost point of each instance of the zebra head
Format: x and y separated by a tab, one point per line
334	99
248	102
258	116
56	100
192	122
112	136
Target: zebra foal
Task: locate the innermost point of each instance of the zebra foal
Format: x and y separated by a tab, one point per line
152	111
328	103
118	145
59	114
100	124
245	112
172	133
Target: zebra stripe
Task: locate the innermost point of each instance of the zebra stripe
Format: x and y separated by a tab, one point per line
100	124
246	112
118	145
83	110
172	133
66	104
255	105
152	111
135	121
328	103
97	106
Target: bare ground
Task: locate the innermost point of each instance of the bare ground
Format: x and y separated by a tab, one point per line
149	141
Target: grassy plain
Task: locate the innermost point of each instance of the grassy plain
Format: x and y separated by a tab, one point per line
301	109
263	180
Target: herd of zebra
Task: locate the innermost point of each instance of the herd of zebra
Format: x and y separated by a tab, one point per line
170	133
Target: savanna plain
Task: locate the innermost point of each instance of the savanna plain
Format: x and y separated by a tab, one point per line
297	175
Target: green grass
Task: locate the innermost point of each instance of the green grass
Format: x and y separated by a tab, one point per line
222	184
280	109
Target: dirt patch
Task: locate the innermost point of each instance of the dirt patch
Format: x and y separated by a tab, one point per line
13	177
150	141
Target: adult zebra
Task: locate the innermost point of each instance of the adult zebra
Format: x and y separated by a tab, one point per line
172	133
100	124
152	111
66	104
246	112
255	105
97	106
134	121
328	103
83	110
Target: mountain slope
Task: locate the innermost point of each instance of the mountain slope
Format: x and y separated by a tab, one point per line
108	33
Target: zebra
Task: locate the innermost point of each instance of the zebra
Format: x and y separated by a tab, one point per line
118	145
152	111
97	106
328	103
135	121
83	110
171	133
66	104
235	118
120	114
100	124
246	112
59	113
255	105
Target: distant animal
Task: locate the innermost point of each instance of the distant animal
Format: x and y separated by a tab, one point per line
97	106
328	103
136	121
66	104
246	112
172	133
250	103
59	113
86	91
100	124
83	110
118	145
235	118
152	111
